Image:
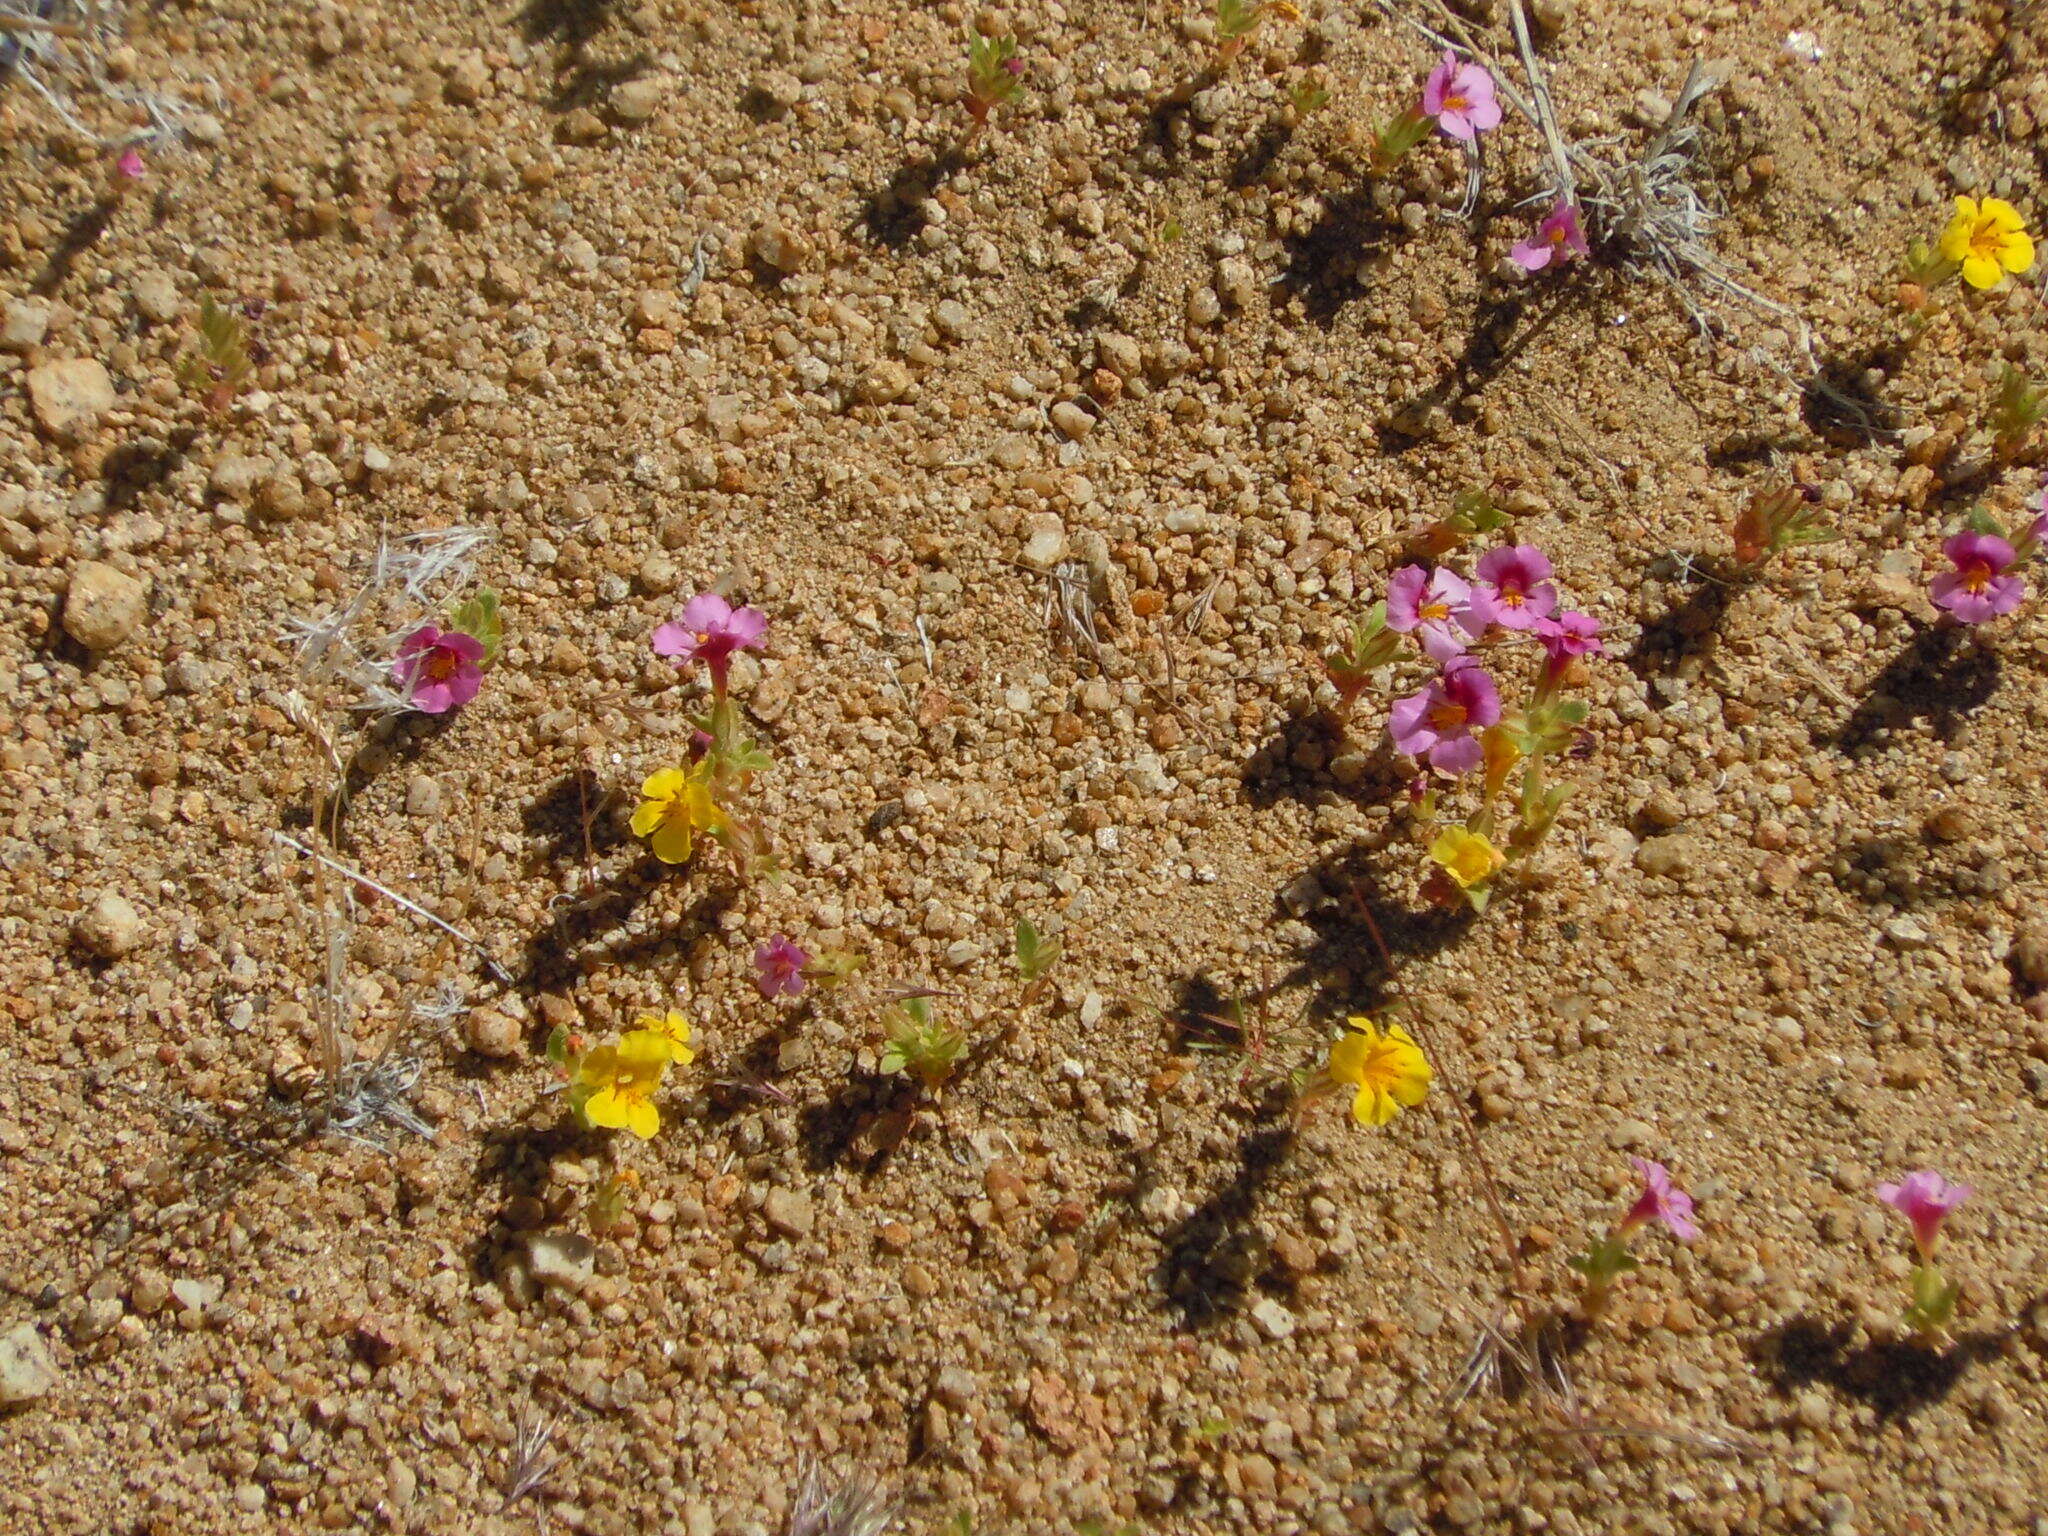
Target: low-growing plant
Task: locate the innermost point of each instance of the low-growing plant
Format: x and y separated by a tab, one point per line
1237	20
779	967
1925	1199
1382	1069
1983	580
1607	1257
994	73
1775	519
916	1044
1036	955
2016	409
612	1086
678	802
1307	96
217	367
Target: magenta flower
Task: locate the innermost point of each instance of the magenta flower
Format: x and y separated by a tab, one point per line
1924	1198
1460	98
1570	634
438	669
1978	588
779	968
1557	240
1438	722
1661	1200
131	166
710	630
1513	589
1437	604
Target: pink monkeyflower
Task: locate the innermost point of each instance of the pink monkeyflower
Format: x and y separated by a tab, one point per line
1661	1200
1437	604
710	630
1460	98
1557	240
1438	723
1978	588
1513	589
130	166
1570	634
439	669
1924	1198
779	967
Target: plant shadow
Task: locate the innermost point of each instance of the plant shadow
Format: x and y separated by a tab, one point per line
1839	406
570	821
1322	267
576	936
1685	628
1271	143
893	214
1940	676
860	1126
1215	1255
1362	933
1895	1377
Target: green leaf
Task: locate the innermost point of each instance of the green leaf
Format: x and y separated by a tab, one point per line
1035	952
479	618
558	1046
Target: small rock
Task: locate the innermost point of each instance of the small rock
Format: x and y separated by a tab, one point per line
24	324
491	1033
1120	355
1663	810
634	101
28	1371
155	295
1907	932
235	475
1045	539
70	396
423	795
103	606
954	1387
780	247
789	1211
109	928
1673	855
775	91
887	381
1071	419
195	1295
2030	955
1272	1319
281	498
567	1260
1236	282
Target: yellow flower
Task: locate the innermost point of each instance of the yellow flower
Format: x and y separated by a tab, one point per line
673	1028
1988	240
674	805
615	1083
1467	857
1388	1070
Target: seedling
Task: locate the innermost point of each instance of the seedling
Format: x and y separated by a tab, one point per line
1036	954
1607	1258
1472	514
1393	139
217	368
1307	96
606	1212
916	1044
1371	649
994	73
2016	410
1925	1199
1237	20
1776	519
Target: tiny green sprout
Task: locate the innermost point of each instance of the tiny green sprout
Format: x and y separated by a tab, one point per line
1308	96
1472	514
479	618
607	1209
1095	1525
218	366
1214	1427
1372	648
1036	953
1926	270
1395	137
918	1045
962	1524
994	73
834	967
1170	229
1776	519
1237	20
2016	410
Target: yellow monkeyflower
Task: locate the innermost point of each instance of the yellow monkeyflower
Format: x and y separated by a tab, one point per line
1387	1068
673	1028
615	1084
675	804
1988	240
1466	856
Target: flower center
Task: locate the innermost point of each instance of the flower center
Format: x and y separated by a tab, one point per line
1455	103
1513	597
1446	717
1986	239
1977	576
1434	612
441	666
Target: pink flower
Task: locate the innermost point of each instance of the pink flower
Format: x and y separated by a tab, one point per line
131	166
1978	588
779	968
1570	634
1557	239
1924	1198
439	669
1513	589
1661	1200
710	630
1434	602
1438	722
1460	98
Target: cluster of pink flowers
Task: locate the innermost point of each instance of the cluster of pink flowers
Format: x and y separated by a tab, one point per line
1512	592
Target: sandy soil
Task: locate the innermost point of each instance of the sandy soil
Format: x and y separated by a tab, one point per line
668	295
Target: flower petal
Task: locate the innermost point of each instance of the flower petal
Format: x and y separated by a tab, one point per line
2017	253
